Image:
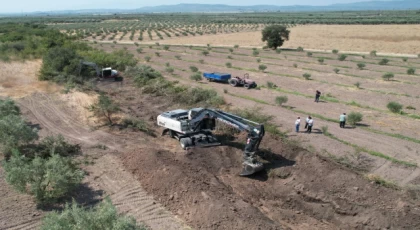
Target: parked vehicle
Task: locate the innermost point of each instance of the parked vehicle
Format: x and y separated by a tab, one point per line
245	82
220	77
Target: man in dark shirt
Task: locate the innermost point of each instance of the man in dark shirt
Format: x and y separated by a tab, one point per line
317	95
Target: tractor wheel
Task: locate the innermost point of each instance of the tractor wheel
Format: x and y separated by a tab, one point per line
247	86
233	82
171	133
254	86
185	142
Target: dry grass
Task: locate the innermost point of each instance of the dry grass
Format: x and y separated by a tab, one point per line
364	38
18	79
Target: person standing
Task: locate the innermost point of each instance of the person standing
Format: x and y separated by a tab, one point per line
310	124
317	96
297	124
306	124
343	120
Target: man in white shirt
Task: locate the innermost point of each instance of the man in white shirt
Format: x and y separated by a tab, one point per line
310	124
297	124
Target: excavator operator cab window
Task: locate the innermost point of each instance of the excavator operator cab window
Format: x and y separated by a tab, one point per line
106	72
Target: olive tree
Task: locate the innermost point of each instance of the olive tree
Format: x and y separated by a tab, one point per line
275	35
104	107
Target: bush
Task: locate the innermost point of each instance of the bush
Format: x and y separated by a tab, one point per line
388	76
170	70
130	122
321	60
166	47
157	54
278	51
47	179
139	50
193	69
258	60
336	70
8	107
357	84
384	61
255	52
309	54
299	49
103	216
335	51
136	44
262	67
167	64
404	59
230	50
157	43
178	57
105	107
295	65
354	117
361	65
205	52
196	77
373	53
394	107
236	46
49	146
201	61
229	57
410	107
147	58
342	57
228	64
271	85
280	100
411	71
307	76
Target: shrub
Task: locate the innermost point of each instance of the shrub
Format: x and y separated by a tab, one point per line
262	67
130	122
230	50
178	57
373	53
361	65
342	57
295	65
139	50
410	107
150	47
8	107
309	54
271	85
278	51
103	216
307	76
228	64
193	69
166	47
157	54
205	52
170	70
411	71
258	60
394	107
196	77
147	58
321	60
201	61
167	64
335	51
299	49
48	179
157	43
104	107
404	59
255	52
136	44
388	76
229	57
383	61
357	84
236	46
280	100
336	70
115	42
354	117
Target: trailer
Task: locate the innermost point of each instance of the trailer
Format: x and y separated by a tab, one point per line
219	77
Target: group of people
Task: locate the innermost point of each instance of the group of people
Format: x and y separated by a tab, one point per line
308	125
310	121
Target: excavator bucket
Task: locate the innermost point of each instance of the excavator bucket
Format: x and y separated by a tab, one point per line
249	168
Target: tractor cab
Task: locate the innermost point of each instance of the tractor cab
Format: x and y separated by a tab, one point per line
109	73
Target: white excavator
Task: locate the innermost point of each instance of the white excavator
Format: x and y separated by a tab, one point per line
102	74
193	128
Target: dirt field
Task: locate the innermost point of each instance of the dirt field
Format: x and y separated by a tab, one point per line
363	38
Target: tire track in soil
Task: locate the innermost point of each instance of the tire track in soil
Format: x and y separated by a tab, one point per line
107	173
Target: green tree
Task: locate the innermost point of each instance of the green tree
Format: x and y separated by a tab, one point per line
321	60
255	52
103	216
383	61
307	76
388	76
336	70
361	65
170	69
166	47
394	107
228	64
147	58
196	77
262	67
59	60
342	57
411	71
48	179
205	52
8	107
139	50
354	117
105	107
14	132
193	69
280	100
334	51
275	35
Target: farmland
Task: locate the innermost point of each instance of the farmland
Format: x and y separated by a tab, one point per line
363	176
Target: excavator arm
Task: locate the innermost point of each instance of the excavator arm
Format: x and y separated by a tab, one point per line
255	134
91	64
